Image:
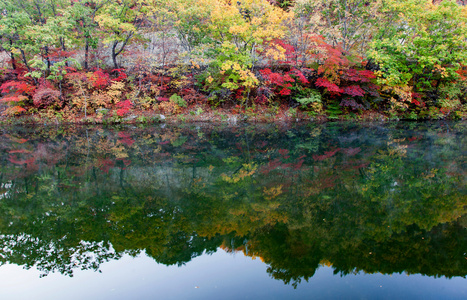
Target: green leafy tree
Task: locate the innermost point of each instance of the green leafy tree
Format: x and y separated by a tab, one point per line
120	22
423	45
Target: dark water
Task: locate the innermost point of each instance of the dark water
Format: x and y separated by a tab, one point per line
158	212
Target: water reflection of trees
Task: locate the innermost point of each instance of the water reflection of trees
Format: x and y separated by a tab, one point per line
359	198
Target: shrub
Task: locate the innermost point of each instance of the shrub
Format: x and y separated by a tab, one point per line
47	97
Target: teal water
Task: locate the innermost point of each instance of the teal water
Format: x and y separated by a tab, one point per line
332	210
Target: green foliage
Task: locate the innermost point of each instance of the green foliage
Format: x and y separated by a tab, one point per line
421	45
178	100
230	69
313	101
56	72
120	22
348	23
333	109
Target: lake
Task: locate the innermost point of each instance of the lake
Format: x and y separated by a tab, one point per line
232	211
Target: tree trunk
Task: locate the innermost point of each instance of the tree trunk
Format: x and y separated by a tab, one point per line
13	61
86	55
114	55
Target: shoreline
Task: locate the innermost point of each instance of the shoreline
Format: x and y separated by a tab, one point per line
203	114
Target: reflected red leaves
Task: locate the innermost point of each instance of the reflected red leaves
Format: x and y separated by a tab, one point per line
278	163
326	155
126	139
261	144
283	153
19	151
350	151
17	161
105	165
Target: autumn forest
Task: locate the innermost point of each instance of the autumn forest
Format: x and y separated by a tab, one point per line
140	60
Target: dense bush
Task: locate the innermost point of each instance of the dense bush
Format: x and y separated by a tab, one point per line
400	57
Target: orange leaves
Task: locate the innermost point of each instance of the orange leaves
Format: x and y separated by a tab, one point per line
15	91
15	98
13	111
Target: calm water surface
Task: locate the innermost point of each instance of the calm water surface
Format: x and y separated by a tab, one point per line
322	211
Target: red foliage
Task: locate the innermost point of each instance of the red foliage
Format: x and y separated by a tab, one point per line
261	99
239	93
353	90
290	53
350	102
14	98
19	151
416	99
462	72
124	107
70	70
329	86
366	75
17	87
283	152
272	165
17	110
16	140
334	60
299	75
351	75
121	74
282	83
444	110
288	78
284	92
191	95
358	75
76	76
99	79
46	96
126	163
55	55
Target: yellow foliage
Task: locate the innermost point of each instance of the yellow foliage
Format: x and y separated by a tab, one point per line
272	193
168	107
115	90
246	171
248	22
99	99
